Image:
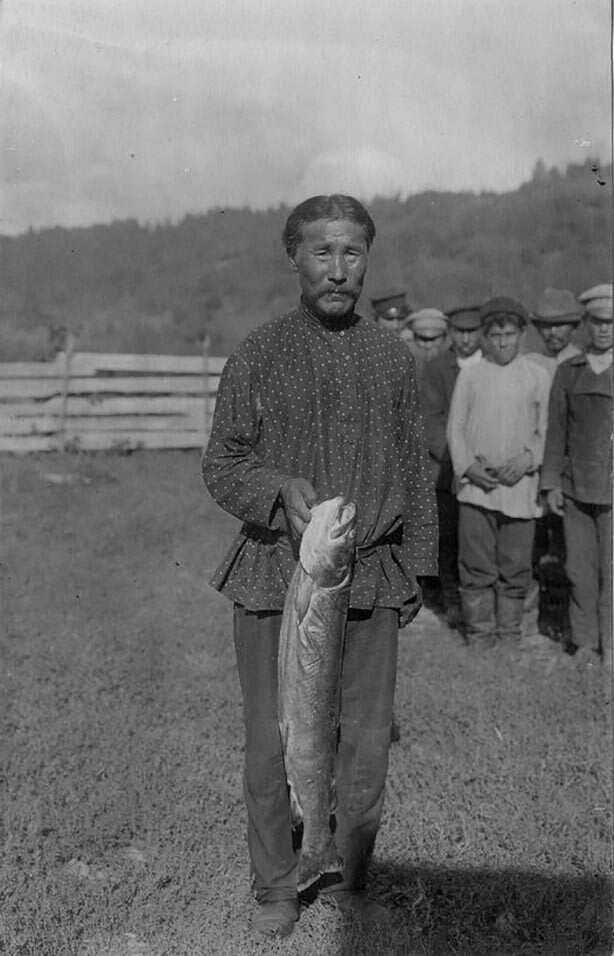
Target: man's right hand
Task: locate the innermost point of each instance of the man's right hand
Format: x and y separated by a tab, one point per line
297	497
478	474
554	501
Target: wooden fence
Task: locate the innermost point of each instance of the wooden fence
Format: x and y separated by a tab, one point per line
94	402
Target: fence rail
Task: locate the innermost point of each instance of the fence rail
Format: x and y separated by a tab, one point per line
90	401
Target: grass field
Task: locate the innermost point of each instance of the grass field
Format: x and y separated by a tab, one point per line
122	815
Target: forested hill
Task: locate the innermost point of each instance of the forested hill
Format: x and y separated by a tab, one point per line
131	287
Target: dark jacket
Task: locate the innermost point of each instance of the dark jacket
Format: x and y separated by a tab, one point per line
437	385
578	454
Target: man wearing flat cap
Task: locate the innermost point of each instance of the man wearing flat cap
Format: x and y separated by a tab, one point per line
556	318
390	309
439	378
496	433
577	476
429	328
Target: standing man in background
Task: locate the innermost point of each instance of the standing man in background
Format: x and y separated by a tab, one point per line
556	318
439	378
577	477
429	328
317	403
390	309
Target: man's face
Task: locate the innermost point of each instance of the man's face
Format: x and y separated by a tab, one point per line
465	341
503	340
429	344
555	337
600	334
331	262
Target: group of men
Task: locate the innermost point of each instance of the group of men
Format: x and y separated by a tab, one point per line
321	402
486	404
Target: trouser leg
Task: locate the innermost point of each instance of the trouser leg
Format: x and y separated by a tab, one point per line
367	693
514	557
477	566
604	535
583	572
447	511
269	830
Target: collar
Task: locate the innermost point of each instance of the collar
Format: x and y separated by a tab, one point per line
331	325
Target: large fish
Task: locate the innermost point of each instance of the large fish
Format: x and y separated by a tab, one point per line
310	653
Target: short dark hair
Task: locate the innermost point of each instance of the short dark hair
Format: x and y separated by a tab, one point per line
332	208
500	319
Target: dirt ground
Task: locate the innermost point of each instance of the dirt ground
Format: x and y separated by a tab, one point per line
122	817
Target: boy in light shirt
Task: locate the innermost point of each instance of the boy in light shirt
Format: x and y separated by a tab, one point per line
496	434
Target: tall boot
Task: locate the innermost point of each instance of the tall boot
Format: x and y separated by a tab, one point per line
509	617
479	622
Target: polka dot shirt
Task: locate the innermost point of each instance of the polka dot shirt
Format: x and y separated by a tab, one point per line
338	406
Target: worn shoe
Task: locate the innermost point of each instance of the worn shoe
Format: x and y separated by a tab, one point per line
358	906
275	918
454	617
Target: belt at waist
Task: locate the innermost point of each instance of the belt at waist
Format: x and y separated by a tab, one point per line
280	539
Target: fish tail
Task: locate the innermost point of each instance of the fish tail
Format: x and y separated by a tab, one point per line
313	865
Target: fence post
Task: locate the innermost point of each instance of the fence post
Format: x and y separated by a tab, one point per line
207	384
68	354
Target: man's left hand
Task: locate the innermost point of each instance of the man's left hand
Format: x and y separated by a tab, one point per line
409	610
515	468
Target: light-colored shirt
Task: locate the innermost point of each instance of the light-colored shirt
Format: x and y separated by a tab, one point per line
463	360
599	361
497	412
552	362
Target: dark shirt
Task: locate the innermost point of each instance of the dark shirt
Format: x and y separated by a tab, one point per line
437	386
578	452
338	407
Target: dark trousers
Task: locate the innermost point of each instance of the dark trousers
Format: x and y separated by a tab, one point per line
588	536
447	513
494	551
367	693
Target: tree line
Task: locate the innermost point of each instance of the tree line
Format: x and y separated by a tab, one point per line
163	287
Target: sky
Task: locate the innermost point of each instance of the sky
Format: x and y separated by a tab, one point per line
151	109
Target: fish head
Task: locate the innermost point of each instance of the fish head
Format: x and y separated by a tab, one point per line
327	545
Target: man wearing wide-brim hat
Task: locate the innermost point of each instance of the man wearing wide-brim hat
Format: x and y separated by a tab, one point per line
577	476
439	378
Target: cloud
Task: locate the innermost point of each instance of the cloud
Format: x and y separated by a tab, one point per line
364	173
156	109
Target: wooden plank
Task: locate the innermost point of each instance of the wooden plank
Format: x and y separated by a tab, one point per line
122	423
28	426
116	423
47	388
32	369
113	405
24	444
91	363
103	441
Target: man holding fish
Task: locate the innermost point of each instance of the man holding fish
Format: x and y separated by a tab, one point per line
318	446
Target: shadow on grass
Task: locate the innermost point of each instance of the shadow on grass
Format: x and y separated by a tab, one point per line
440	912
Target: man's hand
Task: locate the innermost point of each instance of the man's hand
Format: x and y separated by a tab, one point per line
480	474
515	468
297	498
554	501
409	610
